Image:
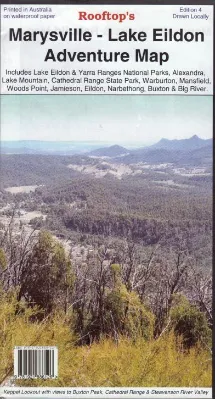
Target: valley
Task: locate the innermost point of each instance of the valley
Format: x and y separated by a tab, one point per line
115	192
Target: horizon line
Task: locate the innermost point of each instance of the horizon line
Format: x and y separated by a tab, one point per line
105	141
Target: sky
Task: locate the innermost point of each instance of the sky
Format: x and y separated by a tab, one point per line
112	118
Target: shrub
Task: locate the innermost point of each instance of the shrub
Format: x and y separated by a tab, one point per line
125	314
128	363
190	323
105	363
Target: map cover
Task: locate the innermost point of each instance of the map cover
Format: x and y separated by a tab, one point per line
106	199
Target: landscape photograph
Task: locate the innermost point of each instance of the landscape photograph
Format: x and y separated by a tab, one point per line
106	239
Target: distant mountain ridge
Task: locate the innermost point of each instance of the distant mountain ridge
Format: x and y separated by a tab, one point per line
165	149
192	143
112	151
192	151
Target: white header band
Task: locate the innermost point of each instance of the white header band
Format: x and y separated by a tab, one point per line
114	49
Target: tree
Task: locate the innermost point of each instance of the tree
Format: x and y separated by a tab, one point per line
124	312
189	322
47	278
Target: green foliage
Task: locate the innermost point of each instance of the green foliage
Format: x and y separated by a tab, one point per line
3	260
190	323
129	362
116	273
135	364
47	279
125	314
